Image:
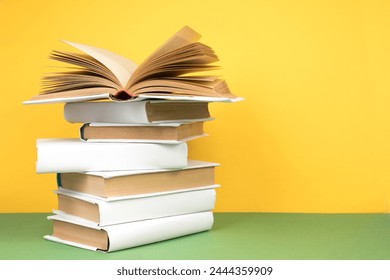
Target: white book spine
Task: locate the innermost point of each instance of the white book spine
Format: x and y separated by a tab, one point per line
74	155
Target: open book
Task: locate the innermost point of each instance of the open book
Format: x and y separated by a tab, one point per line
170	72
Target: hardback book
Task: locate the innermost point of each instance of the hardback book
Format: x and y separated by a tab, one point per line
157	133
172	70
135	182
74	155
143	112
84	234
118	210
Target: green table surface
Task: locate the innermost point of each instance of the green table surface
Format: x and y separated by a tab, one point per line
235	236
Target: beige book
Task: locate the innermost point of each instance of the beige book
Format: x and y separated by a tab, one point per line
81	233
115	132
117	210
122	183
172	70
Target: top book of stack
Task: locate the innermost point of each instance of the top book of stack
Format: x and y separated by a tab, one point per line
171	72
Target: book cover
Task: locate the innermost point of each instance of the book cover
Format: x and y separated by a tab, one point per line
74	155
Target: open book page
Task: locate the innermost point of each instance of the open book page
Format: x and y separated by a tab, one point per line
80	80
164	72
171	72
120	66
216	88
179	49
183	37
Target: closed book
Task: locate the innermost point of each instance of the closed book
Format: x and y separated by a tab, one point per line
156	133
84	234
142	112
103	211
75	155
133	182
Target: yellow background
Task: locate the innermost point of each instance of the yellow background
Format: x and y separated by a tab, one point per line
312	135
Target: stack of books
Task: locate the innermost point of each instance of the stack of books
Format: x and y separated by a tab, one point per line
127	180
124	185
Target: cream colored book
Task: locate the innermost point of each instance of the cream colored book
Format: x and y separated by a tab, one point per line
196	174
117	210
172	71
84	234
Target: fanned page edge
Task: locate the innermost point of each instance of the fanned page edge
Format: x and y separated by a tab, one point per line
184	36
124	68
120	66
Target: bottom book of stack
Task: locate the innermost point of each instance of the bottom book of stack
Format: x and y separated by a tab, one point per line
116	223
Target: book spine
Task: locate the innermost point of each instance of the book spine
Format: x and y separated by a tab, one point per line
74	155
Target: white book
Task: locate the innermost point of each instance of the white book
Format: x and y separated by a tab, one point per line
115	210
140	112
84	234
75	155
